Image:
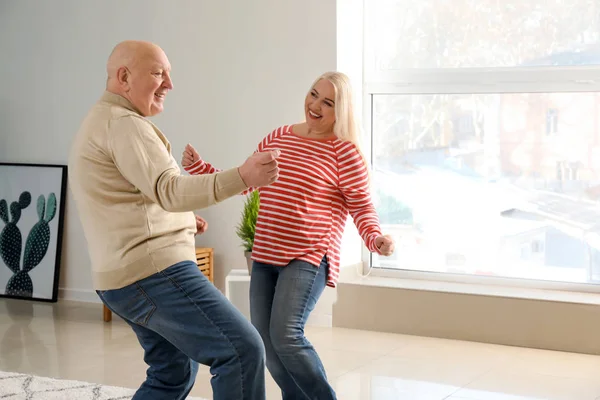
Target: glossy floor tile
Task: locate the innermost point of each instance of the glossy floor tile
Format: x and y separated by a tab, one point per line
69	340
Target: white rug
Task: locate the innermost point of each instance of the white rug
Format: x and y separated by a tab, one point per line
15	386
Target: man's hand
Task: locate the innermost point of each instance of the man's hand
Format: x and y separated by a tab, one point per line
385	244
189	156
260	169
201	225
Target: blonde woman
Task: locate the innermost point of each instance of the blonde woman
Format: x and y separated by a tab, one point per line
322	177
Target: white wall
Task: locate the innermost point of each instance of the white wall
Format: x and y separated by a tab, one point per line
240	69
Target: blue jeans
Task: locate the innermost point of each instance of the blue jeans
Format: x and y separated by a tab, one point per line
180	320
281	299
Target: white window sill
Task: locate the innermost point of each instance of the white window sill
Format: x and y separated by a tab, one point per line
476	289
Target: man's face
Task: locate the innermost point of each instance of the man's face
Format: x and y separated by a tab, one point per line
148	81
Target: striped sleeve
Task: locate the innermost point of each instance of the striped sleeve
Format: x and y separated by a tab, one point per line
202	167
354	186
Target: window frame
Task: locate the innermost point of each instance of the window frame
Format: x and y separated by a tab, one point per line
553	79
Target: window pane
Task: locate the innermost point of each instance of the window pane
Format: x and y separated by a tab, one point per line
482	33
491	184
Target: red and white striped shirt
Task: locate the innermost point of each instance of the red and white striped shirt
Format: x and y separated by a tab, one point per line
302	215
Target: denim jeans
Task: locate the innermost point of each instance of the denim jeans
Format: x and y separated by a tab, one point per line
180	320
281	299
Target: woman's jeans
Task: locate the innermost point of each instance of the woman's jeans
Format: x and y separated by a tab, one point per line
281	299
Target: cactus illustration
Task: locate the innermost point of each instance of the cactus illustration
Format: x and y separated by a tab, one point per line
39	236
36	245
10	237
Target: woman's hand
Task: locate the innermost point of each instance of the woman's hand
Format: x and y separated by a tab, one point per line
189	156
385	244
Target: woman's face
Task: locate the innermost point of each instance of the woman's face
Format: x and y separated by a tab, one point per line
319	107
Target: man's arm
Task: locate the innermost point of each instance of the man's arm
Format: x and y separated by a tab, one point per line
194	165
145	162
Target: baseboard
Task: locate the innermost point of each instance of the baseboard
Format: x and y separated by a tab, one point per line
83	295
572	326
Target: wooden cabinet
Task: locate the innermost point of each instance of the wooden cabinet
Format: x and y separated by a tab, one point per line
204	259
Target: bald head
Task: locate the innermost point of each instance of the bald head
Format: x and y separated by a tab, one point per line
140	72
128	54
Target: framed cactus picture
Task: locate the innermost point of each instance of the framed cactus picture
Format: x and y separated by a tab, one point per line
32	198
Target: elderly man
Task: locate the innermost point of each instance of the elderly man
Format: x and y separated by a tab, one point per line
136	210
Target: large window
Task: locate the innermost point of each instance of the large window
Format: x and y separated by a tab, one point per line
484	123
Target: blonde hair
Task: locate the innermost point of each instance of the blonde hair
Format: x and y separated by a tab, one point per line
345	127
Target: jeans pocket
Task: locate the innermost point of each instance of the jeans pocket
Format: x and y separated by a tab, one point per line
131	303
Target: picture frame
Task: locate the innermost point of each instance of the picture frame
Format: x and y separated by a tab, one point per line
32	213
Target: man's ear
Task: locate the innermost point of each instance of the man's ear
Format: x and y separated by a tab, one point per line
123	77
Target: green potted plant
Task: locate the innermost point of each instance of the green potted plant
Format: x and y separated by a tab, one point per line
247	226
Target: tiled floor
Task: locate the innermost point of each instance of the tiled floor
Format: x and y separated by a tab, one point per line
70	341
